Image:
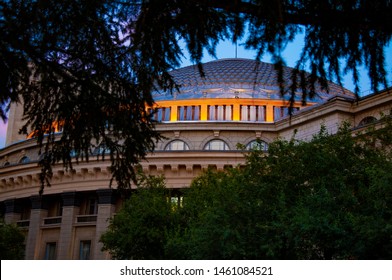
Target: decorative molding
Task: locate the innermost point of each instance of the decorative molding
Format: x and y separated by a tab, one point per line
160	168
174	167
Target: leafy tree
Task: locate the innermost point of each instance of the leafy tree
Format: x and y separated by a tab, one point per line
328	198
138	230
324	199
11	242
91	65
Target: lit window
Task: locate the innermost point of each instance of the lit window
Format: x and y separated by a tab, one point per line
161	114
50	251
220	113
257	145
252	113
188	113
85	250
216	145
176	201
177	145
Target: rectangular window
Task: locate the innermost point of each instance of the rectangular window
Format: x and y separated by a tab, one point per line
261	113
55	209
254	113
167	114
50	251
197	113
278	113
188	113
176	201
220	113
90	206
244	113
161	114
85	249
211	113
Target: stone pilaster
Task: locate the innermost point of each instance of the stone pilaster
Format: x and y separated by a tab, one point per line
39	211
71	205
106	208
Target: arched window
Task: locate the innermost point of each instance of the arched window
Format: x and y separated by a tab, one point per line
257	145
6	163
216	145
24	159
367	120
177	145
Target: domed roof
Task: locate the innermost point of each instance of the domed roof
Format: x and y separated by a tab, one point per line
229	78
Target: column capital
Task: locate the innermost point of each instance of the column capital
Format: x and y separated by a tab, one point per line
106	196
71	199
12	206
38	202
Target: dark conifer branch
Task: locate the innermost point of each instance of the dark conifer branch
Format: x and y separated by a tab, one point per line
94	64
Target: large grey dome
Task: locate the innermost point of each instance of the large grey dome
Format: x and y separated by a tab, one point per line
228	78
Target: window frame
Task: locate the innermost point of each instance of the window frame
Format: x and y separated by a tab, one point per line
83	253
208	145
169	146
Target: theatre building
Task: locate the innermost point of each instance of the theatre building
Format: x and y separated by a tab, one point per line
237	102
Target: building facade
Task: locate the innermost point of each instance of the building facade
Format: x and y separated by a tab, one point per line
237	102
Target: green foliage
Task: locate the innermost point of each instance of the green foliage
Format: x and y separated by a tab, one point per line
92	65
138	230
329	198
324	199
12	245
217	224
